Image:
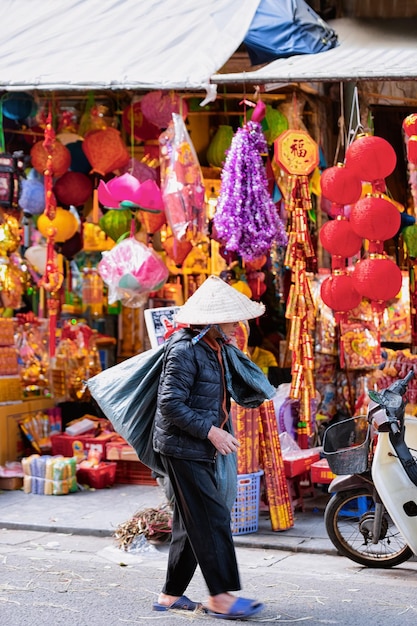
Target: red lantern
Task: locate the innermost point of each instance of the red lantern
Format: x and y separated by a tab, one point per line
105	150
410	125
377	278
339	293
152	221
338	238
73	188
134	122
59	162
371	158
375	218
177	250
340	185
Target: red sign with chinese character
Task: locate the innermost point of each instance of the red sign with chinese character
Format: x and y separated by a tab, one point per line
296	152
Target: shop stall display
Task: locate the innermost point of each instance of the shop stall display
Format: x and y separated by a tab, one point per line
113	212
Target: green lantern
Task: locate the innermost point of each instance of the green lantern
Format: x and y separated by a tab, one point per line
216	152
273	124
116	222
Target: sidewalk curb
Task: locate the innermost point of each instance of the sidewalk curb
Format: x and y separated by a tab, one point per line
257	542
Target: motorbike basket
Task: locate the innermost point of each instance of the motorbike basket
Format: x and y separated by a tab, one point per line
346	445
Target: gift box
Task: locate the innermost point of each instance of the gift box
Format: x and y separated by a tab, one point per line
295	465
321	472
66	445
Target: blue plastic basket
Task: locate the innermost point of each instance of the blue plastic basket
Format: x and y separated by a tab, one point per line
245	512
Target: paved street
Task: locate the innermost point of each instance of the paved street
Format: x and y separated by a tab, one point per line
56	579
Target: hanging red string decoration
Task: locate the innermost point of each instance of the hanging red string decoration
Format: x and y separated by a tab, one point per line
52	159
297	153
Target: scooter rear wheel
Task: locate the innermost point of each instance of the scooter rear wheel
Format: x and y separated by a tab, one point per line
349	519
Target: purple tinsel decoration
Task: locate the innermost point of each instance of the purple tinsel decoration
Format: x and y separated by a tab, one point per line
246	219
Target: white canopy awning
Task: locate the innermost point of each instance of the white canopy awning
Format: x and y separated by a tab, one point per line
118	44
369	50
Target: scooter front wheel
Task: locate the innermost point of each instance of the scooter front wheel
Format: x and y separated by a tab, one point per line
349	519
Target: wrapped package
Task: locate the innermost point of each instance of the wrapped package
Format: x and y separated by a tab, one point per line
131	271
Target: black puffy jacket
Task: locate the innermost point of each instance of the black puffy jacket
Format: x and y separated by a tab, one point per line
190	399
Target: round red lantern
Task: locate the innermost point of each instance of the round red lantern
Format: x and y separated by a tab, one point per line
371	157
340	185
338	238
57	165
339	293
375	218
73	188
377	278
410	125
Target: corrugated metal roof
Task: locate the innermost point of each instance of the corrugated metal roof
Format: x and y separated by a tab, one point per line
368	50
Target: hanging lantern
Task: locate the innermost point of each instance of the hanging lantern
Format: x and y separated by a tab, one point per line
177	250
256	264
134	122
10	234
339	293
105	150
151	221
73	188
140	170
372	158
32	196
71	246
158	107
338	238
64	222
79	161
116	222
221	142
377	278
410	125
18	105
341	185
375	218
57	164
273	124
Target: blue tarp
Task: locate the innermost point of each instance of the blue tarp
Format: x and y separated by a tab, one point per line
283	28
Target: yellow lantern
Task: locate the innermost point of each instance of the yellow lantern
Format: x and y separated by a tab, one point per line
64	223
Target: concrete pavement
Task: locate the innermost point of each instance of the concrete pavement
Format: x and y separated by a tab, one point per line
99	512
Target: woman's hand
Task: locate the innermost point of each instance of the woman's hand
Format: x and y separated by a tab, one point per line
223	441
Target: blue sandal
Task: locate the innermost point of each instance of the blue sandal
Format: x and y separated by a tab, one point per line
182	604
241	609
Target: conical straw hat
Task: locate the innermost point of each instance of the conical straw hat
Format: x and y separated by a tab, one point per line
216	302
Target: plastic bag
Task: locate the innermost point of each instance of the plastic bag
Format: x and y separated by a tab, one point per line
132	270
182	182
127	394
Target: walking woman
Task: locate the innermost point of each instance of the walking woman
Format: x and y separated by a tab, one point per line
191	429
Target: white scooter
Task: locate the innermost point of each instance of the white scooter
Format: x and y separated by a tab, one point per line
372	516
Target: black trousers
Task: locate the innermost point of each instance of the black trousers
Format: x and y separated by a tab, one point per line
201	532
